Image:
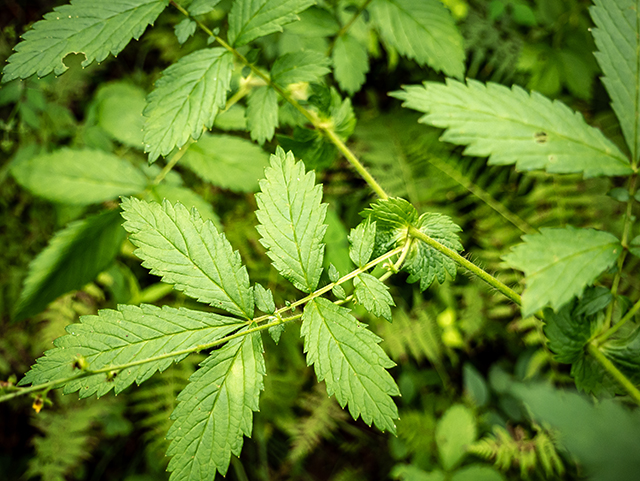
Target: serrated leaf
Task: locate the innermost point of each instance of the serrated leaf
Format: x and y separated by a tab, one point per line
130	334
200	7
568	332
291	220
373	295
215	410
186	100
393	218
264	299
333	273
78	177
189	253
455	431
617	37
350	63
251	19
560	263
75	256
348	358
302	66
362	240
276	332
184	30
187	197
515	127
262	113
423	30
229	162
119	108
92	28
625	353
423	262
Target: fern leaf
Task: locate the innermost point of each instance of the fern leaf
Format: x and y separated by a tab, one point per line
78	177
423	30
262	113
348	358
350	63
362	240
216	410
95	29
189	253
251	19
514	127
291	220
618	40
186	100
373	295
130	334
302	66
560	263
74	257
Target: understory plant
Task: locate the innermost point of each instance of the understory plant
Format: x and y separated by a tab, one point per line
578	293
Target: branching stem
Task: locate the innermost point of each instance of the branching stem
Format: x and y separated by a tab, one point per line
614	372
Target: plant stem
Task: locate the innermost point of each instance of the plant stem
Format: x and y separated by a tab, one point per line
611	331
172	162
347	26
614	372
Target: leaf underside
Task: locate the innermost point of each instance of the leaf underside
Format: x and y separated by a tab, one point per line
189	253
511	126
373	295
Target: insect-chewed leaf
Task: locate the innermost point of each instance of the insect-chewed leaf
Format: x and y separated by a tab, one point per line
74	257
515	127
350	63
302	66
251	19
95	29
291	220
262	113
559	263
373	295
362	240
189	253
423	30
79	177
348	358
130	334
215	410
186	100
618	40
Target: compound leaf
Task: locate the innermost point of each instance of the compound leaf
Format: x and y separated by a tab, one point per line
348	358
95	29
291	220
189	253
78	177
302	66
617	37
251	19
262	113
74	257
559	263
350	63
515	127
373	295
186	100
130	334
423	30
215	410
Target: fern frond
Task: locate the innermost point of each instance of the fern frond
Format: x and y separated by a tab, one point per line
417	336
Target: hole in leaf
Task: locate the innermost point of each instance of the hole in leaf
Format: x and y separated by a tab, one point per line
540	137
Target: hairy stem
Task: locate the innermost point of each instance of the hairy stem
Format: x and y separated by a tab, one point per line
614	372
611	331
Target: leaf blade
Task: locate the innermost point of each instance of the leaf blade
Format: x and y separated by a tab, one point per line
302	66
262	113
373	295
350	63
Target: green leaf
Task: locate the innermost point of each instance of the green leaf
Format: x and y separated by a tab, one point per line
560	263
264	299
74	257
514	127
617	37
291	220
186	100
78	177
454	432
184	30
423	30
423	262
119	107
215	410
200	7
393	217
302	66
477	472
348	358
229	162
189	253
362	240
187	197
373	295
94	29
625	353
568	332
251	19
262	113
130	334
333	273
410	472
350	63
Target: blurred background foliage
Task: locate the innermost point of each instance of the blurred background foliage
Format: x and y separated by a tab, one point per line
465	357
